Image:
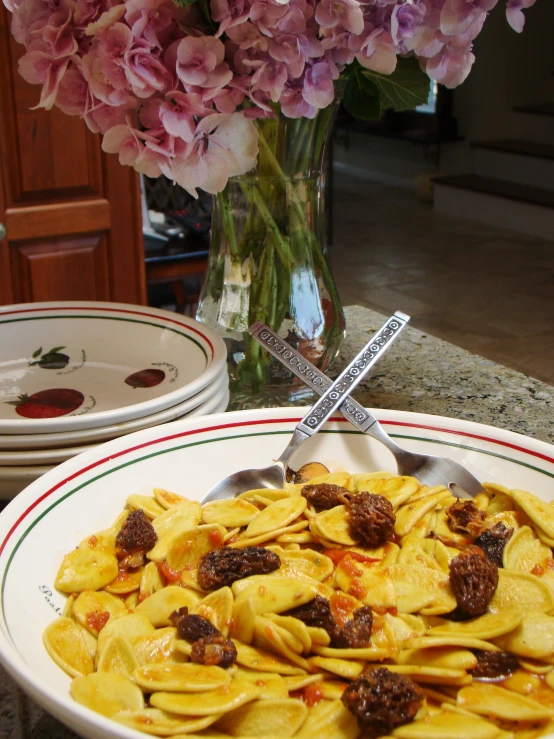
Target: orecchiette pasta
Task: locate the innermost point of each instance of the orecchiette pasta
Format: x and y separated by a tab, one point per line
264	616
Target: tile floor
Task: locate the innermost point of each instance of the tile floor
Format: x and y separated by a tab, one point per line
483	289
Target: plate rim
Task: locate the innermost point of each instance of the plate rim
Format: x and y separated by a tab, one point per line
115	415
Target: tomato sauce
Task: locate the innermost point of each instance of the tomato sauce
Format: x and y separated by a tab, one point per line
170	575
336	555
310	695
348	564
342	607
97	619
216	538
357	589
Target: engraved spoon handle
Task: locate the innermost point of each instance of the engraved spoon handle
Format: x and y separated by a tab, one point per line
320	383
334	394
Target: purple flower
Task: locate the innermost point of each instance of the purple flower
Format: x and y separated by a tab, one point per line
224	146
451	65
346	13
228	13
49	56
270	77
293	104
128	143
200	62
294	51
177	113
145	73
100	117
378	52
514	13
458	15
103	65
318	85
153	20
405	21
265	14
73	93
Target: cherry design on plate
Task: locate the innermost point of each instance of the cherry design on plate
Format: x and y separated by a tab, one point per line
145	378
52	359
48	403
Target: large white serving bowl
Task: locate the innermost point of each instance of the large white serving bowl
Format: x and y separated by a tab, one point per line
85	494
101	363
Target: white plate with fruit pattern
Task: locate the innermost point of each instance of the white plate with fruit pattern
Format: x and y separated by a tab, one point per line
82	365
87	493
214	403
14	478
21	443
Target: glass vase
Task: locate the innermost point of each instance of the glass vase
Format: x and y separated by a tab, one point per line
268	262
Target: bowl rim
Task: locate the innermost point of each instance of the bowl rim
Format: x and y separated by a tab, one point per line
23	505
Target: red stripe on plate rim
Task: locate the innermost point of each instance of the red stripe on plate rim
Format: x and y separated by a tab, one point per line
111	310
237	424
472	436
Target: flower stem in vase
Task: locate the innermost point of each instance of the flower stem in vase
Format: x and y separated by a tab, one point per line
268	234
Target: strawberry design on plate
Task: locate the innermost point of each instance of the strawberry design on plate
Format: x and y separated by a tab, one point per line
48	403
52	359
145	378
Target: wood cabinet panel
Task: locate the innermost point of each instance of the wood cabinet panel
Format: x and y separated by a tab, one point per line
125	241
50	147
53	155
75	268
72	213
58	219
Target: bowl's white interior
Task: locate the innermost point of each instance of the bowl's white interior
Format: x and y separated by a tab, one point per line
187	457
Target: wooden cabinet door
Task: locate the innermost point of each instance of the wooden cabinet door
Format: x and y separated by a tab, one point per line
71	213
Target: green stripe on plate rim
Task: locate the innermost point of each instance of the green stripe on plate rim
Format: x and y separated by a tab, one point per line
226	438
113	318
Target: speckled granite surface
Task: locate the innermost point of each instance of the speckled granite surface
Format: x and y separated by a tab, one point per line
419	373
423	374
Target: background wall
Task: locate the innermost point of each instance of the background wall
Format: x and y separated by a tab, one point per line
510	69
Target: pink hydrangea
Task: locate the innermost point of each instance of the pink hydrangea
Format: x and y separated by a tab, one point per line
175	92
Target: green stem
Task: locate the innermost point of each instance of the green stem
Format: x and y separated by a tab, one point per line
228	226
256	198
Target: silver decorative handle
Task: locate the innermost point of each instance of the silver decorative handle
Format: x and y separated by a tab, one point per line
3	232
345	383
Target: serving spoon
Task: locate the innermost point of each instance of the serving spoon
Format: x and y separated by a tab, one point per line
331	398
427	469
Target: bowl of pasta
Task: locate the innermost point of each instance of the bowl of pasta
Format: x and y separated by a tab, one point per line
352	603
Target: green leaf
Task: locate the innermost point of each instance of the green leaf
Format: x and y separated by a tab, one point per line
361	95
38	352
404	89
56	349
184	3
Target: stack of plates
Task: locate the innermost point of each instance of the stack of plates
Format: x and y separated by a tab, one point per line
75	374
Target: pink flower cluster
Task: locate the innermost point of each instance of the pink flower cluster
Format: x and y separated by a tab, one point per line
174	91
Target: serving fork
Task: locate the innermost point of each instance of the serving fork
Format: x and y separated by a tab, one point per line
427	469
332	397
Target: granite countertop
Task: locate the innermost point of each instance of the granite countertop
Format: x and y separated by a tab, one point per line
424	374
419	373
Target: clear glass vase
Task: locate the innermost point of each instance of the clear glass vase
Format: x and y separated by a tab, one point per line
268	262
